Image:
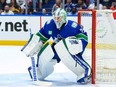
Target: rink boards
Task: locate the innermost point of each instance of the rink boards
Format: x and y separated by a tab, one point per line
15	30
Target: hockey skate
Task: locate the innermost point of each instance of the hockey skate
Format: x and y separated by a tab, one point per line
85	80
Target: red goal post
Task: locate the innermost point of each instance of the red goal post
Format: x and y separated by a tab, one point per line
93	12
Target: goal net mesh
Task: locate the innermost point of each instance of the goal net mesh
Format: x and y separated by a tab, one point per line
105	44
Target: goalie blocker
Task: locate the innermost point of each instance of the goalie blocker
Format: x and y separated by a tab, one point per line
33	46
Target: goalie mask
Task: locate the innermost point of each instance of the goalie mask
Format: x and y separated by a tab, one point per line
59	17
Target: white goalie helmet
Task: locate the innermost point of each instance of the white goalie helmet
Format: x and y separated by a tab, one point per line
59	17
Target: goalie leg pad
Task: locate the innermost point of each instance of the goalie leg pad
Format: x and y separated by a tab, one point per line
45	62
75	64
86	76
46	70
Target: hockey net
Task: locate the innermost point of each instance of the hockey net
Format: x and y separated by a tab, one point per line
101	50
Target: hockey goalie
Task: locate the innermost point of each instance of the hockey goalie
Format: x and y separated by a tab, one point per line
68	45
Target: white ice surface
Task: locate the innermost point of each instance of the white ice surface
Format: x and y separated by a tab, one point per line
13	71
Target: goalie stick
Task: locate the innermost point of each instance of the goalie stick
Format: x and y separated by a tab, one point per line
34	71
28	41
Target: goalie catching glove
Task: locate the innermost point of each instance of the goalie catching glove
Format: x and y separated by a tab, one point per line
33	46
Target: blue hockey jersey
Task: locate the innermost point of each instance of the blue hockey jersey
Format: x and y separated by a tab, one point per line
70	28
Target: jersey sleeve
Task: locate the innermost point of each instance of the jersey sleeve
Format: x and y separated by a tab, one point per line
82	35
43	32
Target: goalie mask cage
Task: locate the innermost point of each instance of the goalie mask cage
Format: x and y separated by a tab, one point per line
101	50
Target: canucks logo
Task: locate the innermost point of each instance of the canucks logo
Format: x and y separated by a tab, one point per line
74	25
50	32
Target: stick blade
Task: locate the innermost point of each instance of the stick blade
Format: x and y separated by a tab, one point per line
42	83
